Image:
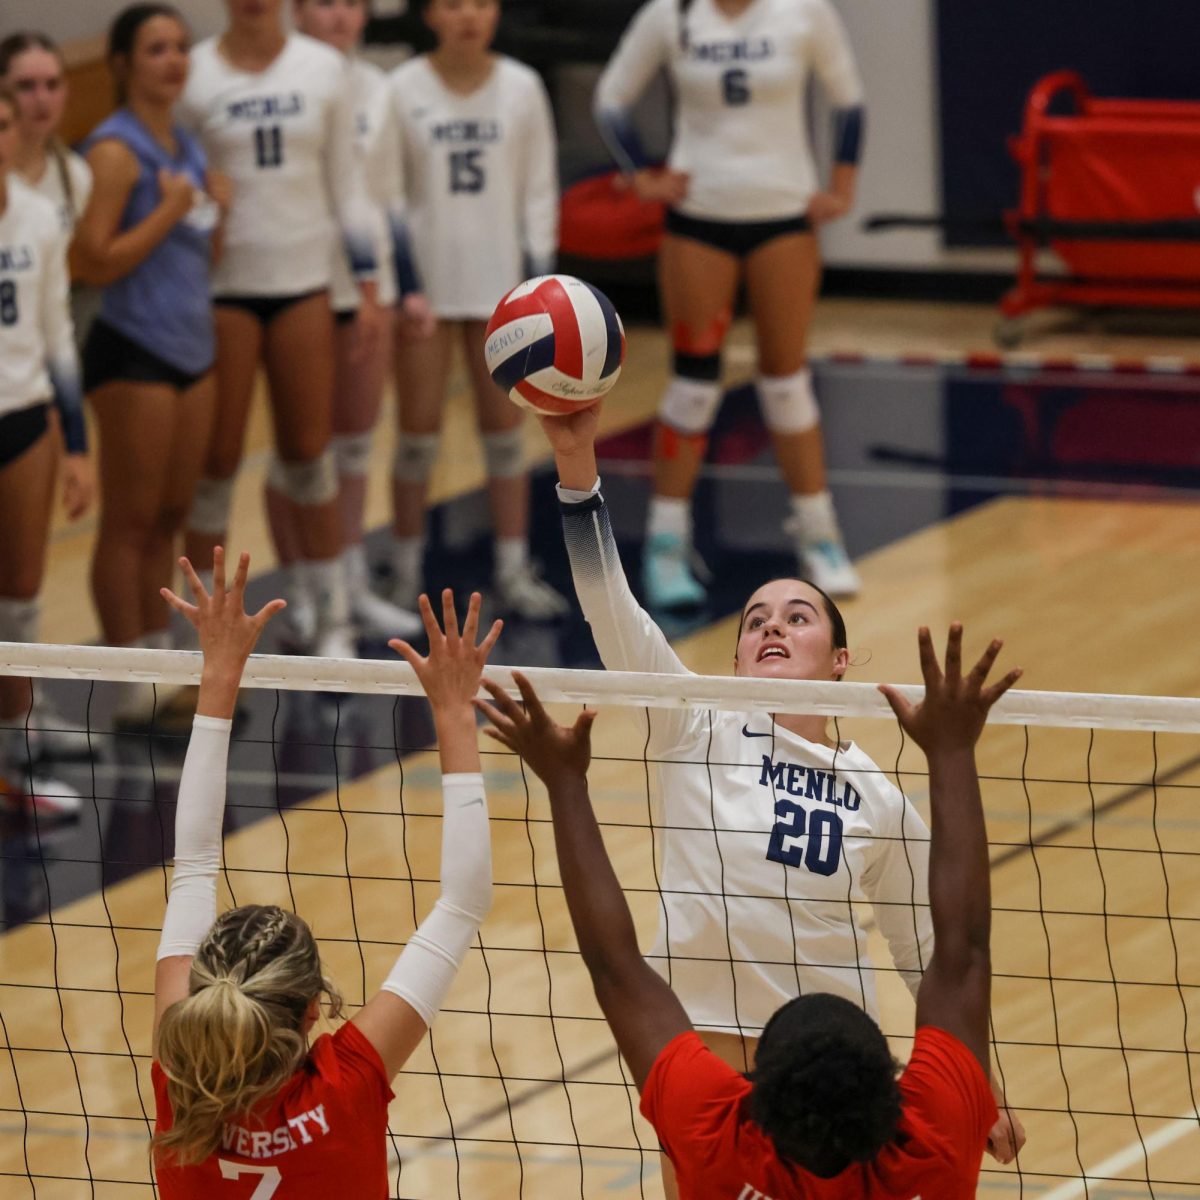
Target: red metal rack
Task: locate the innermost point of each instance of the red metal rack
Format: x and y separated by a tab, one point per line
1113	188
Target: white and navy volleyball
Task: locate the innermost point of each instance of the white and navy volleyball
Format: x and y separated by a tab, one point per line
555	344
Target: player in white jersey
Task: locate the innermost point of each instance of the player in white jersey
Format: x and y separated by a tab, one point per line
744	202
771	827
481	181
273	113
32	66
38	367
359	379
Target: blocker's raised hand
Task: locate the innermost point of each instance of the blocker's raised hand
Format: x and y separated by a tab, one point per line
551	750
228	634
955	706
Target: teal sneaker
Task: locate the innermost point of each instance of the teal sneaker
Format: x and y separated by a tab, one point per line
667	573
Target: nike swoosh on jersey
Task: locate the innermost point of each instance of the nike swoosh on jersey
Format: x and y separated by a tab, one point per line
747	732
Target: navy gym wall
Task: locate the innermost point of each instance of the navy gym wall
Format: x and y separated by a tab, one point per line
990	54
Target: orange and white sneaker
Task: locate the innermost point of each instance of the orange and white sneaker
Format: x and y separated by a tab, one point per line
49	799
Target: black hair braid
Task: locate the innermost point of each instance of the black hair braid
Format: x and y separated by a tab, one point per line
827	1099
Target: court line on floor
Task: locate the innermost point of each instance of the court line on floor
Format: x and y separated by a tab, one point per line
1143	1147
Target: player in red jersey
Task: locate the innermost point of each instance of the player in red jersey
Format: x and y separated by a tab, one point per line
822	1116
245	1106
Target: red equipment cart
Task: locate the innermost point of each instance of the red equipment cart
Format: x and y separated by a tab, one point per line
1114	189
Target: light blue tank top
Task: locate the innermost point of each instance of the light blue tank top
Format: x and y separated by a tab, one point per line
164	303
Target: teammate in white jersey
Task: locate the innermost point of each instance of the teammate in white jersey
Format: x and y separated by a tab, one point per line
32	66
38	366
744	202
771	828
481	180
359	378
273	112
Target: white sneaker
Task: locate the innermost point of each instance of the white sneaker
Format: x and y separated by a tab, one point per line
378	617
299	619
522	592
337	641
824	562
51	736
50	799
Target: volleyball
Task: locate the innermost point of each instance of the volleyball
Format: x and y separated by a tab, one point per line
555	344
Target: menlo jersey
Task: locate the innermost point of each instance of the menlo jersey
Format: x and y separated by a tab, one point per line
376	141
481	181
38	360
285	136
768	838
740	83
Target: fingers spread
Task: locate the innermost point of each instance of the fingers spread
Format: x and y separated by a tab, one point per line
219	572
954	654
180	606
267	611
998	689
982	668
189	573
239	578
471	624
488	642
900	704
930	670
407	653
449	616
430	621
536	711
504	702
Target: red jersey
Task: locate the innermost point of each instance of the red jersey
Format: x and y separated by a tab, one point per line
324	1133
696	1103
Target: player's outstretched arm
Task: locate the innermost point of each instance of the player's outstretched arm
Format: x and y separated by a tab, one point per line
395	1020
641	1009
955	994
228	635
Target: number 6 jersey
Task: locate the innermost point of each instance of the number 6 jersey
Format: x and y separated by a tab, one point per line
741	84
481	183
766	838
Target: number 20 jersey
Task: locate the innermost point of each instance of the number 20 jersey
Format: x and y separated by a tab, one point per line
481	184
740	84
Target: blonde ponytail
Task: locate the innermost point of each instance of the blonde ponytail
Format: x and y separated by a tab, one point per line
239	1035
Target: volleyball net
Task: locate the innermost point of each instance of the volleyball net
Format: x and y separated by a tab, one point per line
334	811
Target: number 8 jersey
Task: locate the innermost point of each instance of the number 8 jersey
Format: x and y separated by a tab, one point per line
741	84
481	183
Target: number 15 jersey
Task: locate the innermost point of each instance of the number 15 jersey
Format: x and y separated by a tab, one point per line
481	183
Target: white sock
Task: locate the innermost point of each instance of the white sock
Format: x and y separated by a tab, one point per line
19	620
668	515
408	557
816	517
156	639
512	556
327	580
358	572
296	584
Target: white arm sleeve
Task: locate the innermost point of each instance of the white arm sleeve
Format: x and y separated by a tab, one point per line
360	220
192	901
541	183
833	59
625	634
897	884
424	972
643	51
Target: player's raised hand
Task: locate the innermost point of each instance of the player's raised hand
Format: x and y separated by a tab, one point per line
551	750
451	671
228	634
952	714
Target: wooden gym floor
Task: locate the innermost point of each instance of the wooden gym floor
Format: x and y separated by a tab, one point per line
1089	571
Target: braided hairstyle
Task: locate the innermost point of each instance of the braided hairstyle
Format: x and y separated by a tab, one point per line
13	47
824	1084
240	1033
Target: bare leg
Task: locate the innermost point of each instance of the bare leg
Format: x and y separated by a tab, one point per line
137	431
239	347
26	499
782	278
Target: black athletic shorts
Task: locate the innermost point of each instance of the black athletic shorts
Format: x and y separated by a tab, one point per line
20	430
109	357
739	238
345	316
265	309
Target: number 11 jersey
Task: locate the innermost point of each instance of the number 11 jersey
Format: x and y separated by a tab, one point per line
481	183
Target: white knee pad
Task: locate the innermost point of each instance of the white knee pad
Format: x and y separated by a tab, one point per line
19	620
312	483
504	453
690	405
416	454
211	503
352	451
788	404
